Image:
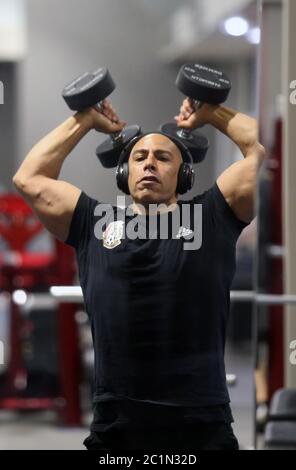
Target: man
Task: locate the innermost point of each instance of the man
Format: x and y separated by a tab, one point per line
158	312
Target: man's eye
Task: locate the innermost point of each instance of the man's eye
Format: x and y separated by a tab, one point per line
163	158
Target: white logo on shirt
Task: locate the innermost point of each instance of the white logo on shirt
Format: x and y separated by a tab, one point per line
183	232
113	234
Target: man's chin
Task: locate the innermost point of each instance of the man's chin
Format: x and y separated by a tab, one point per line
148	197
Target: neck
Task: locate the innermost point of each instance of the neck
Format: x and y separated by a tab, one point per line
154	208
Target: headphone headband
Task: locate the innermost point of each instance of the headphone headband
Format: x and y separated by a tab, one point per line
185	152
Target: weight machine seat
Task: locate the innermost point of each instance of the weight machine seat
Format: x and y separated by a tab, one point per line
283	405
280	435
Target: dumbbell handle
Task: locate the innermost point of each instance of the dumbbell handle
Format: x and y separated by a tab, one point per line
115	136
185	133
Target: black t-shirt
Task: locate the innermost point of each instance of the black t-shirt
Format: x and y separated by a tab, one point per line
158	312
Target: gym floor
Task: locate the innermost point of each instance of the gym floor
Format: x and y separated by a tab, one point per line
39	431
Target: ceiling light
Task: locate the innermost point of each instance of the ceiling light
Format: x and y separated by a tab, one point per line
236	26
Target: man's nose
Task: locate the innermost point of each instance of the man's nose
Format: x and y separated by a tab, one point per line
150	161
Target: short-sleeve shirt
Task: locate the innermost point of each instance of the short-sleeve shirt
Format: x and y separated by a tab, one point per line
158	311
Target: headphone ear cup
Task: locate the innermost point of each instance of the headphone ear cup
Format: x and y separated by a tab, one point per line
191	177
185	178
122	172
122	178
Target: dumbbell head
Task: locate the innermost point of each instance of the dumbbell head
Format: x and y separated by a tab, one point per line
195	141
88	89
109	151
204	84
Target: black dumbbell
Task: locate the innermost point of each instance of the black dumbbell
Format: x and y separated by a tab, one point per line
90	89
201	84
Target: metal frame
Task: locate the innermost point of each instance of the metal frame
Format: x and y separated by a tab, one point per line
73	294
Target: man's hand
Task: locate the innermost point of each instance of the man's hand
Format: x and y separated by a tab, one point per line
190	118
105	119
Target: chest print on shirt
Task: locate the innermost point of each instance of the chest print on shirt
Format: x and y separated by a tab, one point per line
113	234
184	232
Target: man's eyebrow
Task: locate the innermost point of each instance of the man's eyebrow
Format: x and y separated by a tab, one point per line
163	151
156	151
140	151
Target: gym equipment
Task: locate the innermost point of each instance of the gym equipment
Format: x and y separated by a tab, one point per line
202	84
283	405
59	295
35	379
73	294
186	173
90	89
280	435
109	151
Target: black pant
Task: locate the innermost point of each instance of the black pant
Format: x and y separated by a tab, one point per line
202	436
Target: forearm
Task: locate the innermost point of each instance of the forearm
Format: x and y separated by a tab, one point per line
47	156
240	128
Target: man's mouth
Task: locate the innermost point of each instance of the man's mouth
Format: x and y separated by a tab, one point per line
149	179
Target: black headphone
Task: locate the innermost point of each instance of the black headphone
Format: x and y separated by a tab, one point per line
186	173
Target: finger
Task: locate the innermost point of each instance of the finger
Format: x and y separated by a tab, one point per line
99	108
115	116
111	110
186	104
180	117
107	107
107	120
184	124
190	102
189	106
112	113
185	114
187	123
109	114
188	109
106	103
117	127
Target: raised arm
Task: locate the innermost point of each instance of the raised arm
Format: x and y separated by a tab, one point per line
36	180
238	182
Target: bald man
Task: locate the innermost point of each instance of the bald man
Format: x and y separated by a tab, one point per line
158	311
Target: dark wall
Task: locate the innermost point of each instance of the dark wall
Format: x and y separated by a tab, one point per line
8	123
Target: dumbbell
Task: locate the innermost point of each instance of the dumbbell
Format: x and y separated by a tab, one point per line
202	84
90	89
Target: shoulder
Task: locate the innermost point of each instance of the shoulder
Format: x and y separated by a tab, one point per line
82	221
218	210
